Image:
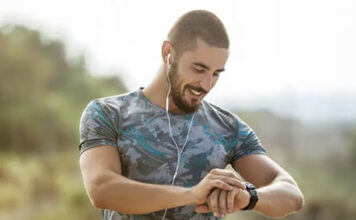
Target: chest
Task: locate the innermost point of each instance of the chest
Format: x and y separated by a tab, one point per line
148	152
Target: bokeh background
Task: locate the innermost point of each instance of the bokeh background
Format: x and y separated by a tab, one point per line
290	75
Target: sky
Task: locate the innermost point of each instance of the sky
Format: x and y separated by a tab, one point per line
277	48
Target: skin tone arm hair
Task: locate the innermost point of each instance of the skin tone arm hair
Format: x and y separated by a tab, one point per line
278	192
108	189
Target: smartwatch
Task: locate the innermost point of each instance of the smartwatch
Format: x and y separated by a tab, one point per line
254	197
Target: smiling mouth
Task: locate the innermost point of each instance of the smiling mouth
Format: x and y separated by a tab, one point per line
195	92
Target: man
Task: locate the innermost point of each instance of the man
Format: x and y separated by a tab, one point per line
160	152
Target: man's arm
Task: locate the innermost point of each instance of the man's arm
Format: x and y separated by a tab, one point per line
278	193
108	189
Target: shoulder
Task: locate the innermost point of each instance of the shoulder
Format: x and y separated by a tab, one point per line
113	103
218	113
116	100
227	118
108	108
218	117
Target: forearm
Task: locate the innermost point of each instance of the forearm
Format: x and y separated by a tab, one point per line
280	198
132	197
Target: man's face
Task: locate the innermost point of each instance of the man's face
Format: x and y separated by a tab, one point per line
195	75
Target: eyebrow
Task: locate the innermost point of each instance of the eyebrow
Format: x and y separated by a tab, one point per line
206	67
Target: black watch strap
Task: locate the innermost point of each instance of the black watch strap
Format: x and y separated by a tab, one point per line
254	197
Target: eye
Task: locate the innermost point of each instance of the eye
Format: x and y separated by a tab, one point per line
198	70
217	74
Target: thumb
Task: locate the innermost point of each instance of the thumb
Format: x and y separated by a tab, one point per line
202	208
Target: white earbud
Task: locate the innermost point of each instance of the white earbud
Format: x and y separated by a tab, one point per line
168	56
169	82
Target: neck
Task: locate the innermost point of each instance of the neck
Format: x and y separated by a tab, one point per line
157	90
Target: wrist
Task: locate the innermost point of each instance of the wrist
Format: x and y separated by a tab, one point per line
190	196
253	196
246	200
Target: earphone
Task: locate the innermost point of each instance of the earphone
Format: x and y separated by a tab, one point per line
179	153
168	56
169	83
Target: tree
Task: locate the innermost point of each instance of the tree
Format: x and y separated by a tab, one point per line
43	92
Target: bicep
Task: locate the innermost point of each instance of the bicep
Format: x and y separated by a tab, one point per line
98	164
260	170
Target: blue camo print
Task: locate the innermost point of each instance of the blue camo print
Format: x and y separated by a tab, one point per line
139	130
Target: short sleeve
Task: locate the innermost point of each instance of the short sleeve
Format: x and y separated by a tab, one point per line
247	142
97	127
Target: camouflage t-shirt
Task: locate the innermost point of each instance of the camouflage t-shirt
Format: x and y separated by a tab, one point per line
139	131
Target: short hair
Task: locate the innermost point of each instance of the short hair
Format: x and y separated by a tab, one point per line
197	24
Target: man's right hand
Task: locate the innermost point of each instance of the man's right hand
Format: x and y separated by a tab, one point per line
216	178
222	202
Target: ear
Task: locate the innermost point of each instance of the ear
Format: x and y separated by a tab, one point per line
167	48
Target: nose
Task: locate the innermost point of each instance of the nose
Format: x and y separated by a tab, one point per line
207	82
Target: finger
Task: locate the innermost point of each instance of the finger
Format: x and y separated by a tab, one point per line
223	172
220	184
231	200
227	173
202	209
213	201
222	203
231	181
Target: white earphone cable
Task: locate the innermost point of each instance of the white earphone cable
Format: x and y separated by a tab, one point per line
179	152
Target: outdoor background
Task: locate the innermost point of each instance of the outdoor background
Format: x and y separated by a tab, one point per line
290	75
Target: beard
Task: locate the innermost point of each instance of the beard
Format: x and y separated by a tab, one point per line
177	93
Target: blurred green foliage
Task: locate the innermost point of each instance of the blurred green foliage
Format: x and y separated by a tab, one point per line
42	187
42	95
320	157
353	151
42	92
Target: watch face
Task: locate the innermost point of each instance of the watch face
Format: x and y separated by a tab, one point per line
250	186
253	193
